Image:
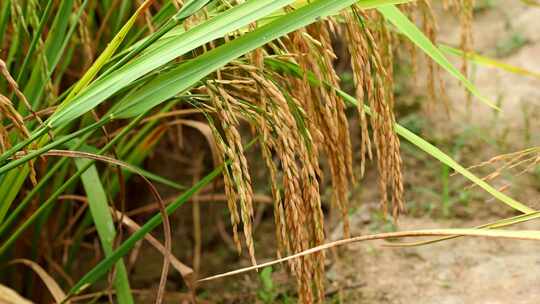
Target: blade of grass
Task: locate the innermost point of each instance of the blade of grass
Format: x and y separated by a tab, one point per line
102	268
158	19
178	79
13	181
51	199
444	158
122	12
35	39
53	50
498	224
229	51
53	287
4	19
411	31
416	140
44	181
62	140
228	21
187	10
489	62
532	235
185	271
158	178
103	221
105	55
531	3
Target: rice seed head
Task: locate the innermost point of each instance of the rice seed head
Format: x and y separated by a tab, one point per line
7	108
299	217
15	88
371	48
299	124
238	177
357	47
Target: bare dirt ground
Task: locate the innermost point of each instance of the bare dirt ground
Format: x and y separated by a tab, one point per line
465	270
510	33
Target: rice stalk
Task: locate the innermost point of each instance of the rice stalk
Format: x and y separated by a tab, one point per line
213	54
237	178
377	89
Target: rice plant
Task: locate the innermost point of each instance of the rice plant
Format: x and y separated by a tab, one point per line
89	89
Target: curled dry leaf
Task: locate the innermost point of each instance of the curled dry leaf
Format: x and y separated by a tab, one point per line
53	287
531	235
153	190
10	296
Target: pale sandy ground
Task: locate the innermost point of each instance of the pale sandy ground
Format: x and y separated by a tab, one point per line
495	28
466	270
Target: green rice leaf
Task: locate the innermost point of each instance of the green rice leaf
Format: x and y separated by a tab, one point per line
231	50
489	62
178	79
105	55
228	21
415	140
411	31
103	221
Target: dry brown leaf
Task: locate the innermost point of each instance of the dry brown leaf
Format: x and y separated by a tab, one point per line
10	296
53	287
